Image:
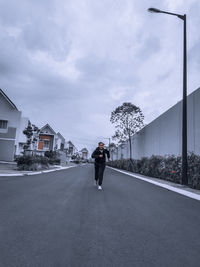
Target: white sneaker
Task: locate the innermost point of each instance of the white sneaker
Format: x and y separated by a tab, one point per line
99	187
95	183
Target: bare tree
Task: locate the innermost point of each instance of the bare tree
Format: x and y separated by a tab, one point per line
128	120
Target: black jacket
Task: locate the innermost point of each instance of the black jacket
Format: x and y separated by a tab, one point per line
96	153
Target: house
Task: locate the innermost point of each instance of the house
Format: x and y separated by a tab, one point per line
60	141
10	118
70	148
84	153
47	139
50	140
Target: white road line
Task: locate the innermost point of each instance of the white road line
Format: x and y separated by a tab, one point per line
48	171
14	174
169	187
32	173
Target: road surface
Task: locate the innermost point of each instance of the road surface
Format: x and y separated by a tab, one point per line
60	219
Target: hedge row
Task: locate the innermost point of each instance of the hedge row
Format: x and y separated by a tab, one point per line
167	168
35	162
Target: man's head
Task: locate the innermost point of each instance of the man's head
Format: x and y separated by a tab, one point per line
101	145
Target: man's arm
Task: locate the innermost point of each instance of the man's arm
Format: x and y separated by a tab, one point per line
108	154
95	154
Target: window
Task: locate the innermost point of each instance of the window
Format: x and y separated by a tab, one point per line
70	150
3	124
46	144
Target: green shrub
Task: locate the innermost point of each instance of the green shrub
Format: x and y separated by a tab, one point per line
53	157
31	162
164	167
53	161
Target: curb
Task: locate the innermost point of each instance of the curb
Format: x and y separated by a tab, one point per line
34	173
162	184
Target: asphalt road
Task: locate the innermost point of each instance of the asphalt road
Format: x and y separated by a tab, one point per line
60	219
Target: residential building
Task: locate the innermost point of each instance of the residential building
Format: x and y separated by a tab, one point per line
84	153
60	141
10	118
47	139
70	148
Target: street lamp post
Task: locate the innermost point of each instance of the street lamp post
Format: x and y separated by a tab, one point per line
184	107
108	141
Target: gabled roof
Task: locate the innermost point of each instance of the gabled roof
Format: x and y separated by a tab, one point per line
8	99
70	142
48	126
84	149
60	135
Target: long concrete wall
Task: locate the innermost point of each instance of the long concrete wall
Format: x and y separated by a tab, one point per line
163	136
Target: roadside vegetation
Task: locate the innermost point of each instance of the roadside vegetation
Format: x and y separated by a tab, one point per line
163	167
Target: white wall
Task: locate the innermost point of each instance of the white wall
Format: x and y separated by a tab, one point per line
8	136
7	112
20	137
163	136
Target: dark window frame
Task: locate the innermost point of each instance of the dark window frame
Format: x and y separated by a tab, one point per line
3	123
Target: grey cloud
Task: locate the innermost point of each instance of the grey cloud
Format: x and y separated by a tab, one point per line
150	46
115	50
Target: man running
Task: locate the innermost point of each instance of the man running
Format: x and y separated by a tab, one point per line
99	155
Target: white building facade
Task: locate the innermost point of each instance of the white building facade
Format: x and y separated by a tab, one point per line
20	137
10	118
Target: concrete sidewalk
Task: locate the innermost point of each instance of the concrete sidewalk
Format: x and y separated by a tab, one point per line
10	169
178	188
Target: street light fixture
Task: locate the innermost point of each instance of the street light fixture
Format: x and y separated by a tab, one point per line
184	113
153	10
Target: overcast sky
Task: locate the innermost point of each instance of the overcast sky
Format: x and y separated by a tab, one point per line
70	63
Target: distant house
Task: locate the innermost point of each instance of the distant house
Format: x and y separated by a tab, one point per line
70	148
47	139
10	118
60	141
50	140
84	153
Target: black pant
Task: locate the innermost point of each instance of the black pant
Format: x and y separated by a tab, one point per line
99	170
